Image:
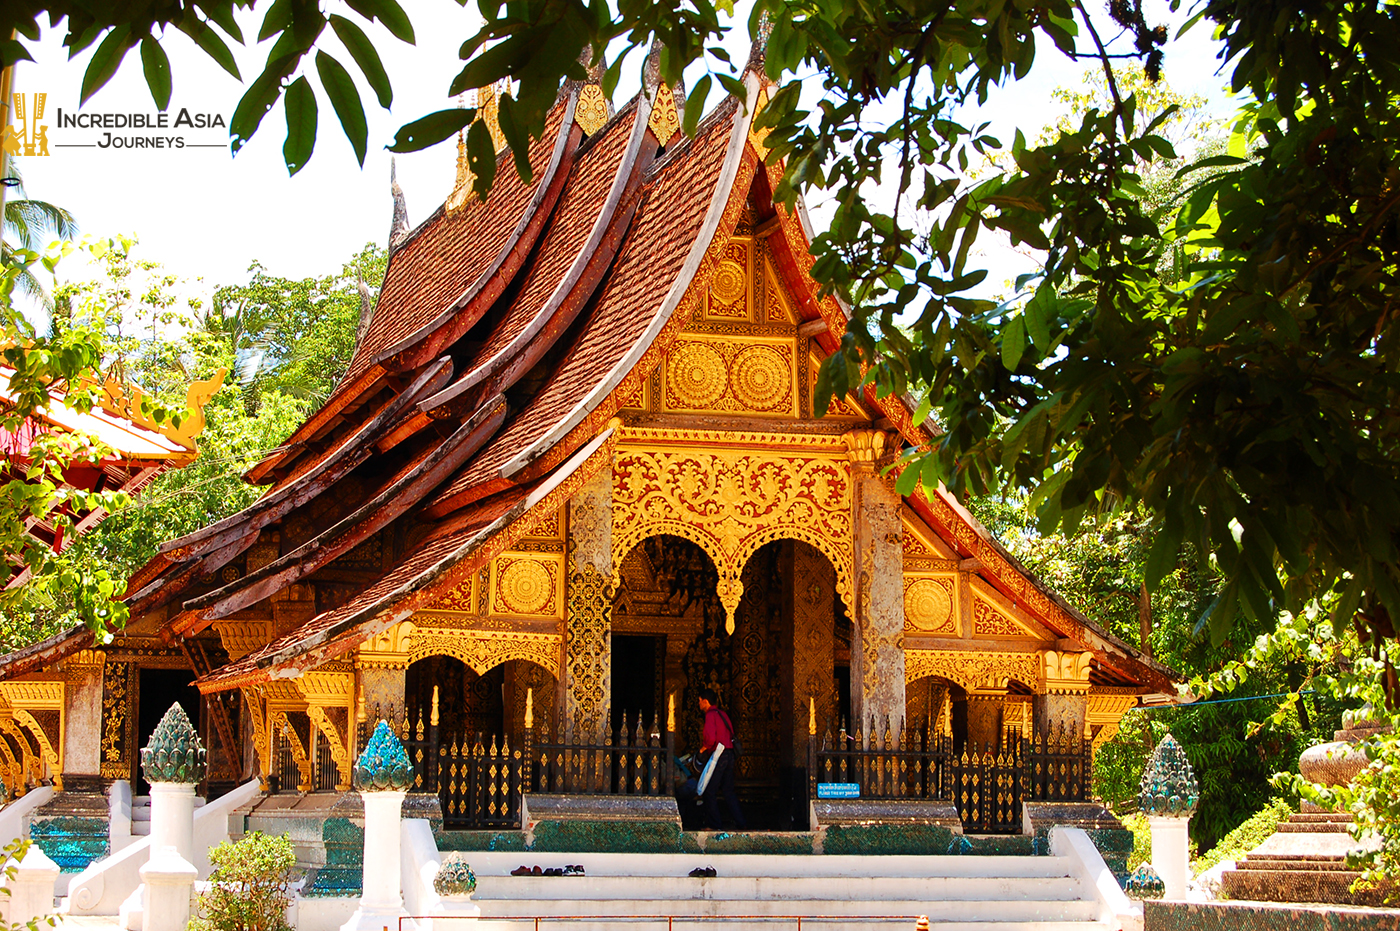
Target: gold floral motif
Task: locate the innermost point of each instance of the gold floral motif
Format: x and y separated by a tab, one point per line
762	378
591	111
262	743
728	284
115	712
281	724
730	503
988	621
665	120
587	650
525	586
695	376
1105	710
973	669
928	606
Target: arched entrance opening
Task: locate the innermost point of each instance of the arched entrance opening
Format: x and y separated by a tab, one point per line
784	670
480	721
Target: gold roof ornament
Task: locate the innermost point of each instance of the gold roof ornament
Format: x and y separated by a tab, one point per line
591	112
126	401
488	110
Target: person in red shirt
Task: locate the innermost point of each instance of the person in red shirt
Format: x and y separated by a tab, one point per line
719	730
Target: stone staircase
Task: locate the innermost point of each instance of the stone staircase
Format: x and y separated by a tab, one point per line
763	893
141	814
1303	861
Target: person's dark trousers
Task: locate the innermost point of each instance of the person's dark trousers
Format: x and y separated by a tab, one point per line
722	785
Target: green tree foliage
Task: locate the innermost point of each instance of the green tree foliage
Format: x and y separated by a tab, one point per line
1236	748
289	340
27	224
294	336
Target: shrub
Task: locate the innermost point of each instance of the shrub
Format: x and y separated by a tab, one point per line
248	888
1142	840
1247	836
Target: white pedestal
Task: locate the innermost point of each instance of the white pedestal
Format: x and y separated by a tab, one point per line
381	899
32	888
453	907
169	881
1171	854
172	818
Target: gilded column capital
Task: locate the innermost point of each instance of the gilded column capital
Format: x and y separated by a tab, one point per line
1063	671
864	448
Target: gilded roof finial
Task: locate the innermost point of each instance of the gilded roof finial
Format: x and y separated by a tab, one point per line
462	187
667	103
593	109
398	227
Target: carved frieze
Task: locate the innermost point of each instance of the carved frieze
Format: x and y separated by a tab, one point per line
730	502
973	669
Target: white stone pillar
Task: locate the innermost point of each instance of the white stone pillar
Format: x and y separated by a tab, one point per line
1168	798
383	774
31	889
172	817
877	660
1171	853
169	881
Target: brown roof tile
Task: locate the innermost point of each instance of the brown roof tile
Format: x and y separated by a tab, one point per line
674	205
449	252
589	181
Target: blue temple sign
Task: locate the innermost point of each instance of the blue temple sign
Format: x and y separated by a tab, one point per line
838	790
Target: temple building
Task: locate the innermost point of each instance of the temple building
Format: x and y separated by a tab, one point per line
572	476
129	450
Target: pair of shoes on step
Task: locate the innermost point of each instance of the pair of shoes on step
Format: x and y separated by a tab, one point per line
703	872
551	871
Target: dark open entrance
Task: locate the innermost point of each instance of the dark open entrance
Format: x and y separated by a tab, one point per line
779	666
160	688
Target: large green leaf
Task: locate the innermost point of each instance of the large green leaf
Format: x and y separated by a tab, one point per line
300	102
106	60
157	68
364	54
431	129
345	99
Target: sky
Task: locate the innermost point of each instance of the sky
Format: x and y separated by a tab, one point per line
207	215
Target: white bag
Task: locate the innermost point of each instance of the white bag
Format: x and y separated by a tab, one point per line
709	769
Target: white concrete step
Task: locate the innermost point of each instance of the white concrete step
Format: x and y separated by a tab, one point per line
140	828
755	888
943	911
731	923
485	863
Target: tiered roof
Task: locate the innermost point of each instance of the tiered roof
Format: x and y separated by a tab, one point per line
483	392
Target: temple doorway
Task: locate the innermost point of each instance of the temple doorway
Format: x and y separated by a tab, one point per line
783	668
469	706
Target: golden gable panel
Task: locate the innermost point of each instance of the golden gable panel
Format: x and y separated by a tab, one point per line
528	585
777	306
988	620
731	288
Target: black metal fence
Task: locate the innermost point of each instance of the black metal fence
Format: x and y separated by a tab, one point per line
987	783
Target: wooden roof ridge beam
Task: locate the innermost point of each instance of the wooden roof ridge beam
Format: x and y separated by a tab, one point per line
574	289
345	394
452	324
733	158
200	554
364	522
351	452
433	338
383	612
